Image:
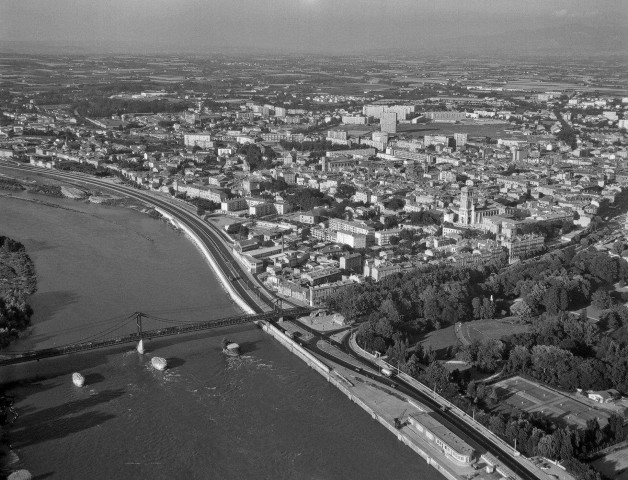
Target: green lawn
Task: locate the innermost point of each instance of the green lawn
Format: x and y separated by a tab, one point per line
492	328
441	340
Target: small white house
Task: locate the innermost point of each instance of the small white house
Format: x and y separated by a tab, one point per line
603	396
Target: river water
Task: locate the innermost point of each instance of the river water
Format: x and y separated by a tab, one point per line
265	415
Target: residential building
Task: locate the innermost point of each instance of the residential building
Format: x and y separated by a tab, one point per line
336	164
351	262
354	119
354	240
262	209
380	271
202	140
337	137
460	139
388	123
383	237
233	205
447	116
320	293
325	275
521	247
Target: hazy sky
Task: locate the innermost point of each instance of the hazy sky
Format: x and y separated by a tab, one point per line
300	25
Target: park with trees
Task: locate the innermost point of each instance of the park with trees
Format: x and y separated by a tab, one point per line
559	348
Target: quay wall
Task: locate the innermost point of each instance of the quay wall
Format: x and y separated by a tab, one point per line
226	284
342	384
295	348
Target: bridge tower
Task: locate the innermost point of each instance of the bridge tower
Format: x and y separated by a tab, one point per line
138	321
140	345
278	305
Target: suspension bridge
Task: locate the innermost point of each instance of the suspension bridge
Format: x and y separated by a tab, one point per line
178	327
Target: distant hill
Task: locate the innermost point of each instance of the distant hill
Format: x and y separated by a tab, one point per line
562	39
578	39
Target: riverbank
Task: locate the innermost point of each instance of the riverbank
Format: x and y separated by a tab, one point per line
383	404
208	256
17	181
17	282
96	196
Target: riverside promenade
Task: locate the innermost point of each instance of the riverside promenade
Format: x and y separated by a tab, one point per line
382	402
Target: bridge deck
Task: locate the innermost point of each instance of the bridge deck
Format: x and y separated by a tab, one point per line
162	332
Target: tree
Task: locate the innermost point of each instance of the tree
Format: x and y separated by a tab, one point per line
556	299
384	328
497	425
490	355
472	390
522	310
488	308
618	247
436	376
566	227
426	218
476	304
547	447
379	345
601	299
412	366
519	360
616	427
345	191
394	203
242	230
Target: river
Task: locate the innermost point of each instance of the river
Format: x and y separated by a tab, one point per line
265	415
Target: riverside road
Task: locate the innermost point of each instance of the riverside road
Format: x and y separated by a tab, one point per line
211	238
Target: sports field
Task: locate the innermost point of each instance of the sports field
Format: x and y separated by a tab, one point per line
493	130
530	396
